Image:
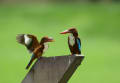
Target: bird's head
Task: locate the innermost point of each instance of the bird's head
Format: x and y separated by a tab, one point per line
47	39
71	30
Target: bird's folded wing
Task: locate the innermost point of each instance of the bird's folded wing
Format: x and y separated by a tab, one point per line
79	43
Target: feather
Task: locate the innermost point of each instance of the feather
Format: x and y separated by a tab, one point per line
20	39
79	44
31	60
29	41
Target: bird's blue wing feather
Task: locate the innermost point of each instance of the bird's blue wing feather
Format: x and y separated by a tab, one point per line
79	44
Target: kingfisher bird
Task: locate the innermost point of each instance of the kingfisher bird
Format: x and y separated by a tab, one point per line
74	41
34	47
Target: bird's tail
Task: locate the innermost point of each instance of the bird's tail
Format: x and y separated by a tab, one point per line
32	59
29	64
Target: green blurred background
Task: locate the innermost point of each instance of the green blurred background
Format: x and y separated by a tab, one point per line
98	24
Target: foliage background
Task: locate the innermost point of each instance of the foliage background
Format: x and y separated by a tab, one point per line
99	29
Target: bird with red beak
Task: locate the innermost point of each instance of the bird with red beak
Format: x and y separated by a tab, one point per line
74	41
32	44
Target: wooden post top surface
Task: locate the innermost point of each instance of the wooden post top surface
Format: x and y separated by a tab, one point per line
57	69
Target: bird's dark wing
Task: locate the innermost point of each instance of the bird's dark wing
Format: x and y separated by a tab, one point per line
79	44
20	39
33	44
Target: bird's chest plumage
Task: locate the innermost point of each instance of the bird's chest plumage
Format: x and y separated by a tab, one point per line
45	47
71	40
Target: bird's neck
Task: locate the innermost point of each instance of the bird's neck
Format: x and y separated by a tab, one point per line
71	39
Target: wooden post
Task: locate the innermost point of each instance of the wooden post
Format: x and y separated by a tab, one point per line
56	69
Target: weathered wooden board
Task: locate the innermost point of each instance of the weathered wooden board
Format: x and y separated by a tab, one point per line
56	69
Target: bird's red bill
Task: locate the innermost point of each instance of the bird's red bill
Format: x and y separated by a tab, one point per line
64	32
50	40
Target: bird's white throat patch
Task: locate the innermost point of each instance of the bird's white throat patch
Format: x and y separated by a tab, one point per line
27	40
45	47
71	39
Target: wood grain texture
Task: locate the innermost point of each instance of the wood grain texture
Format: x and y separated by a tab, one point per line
57	69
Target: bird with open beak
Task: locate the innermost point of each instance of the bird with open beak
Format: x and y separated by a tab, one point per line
74	41
34	47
